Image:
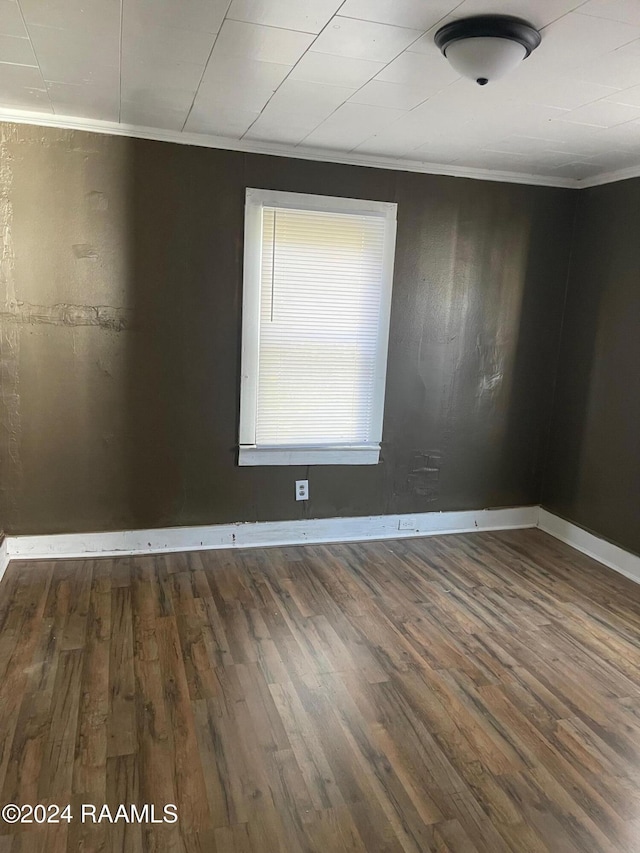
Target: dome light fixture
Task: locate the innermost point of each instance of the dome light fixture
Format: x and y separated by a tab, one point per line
486	47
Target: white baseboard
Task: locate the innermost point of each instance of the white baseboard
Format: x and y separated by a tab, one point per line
261	534
4	557
615	558
310	531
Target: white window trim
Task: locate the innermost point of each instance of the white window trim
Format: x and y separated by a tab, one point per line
329	454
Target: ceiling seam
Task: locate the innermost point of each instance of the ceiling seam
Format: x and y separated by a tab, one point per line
359	88
317	35
33	48
407	112
120	63
204	70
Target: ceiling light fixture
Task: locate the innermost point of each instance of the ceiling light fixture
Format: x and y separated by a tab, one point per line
486	47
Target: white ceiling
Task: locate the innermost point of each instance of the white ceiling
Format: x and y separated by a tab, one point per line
354	79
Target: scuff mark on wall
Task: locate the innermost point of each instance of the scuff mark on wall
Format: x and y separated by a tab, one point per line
64	314
420	475
98	200
85	250
491	358
10	421
424	473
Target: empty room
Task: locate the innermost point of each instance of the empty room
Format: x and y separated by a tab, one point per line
319	426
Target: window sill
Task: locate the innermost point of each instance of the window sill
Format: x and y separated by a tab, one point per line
332	455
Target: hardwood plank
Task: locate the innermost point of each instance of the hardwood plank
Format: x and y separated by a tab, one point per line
121	728
460	694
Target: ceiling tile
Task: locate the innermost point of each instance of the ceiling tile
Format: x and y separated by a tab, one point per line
378	93
413	130
335	70
364	40
539	12
82	100
626	96
627	11
66	58
148	74
533	145
296	109
24	98
603	114
264	44
620	69
426	44
11	23
494	160
230	81
570	133
576	39
632	48
383	148
308	16
83	16
163	43
148	116
622	136
20	76
439	151
203	15
415	14
224	71
465	95
16	50
350	125
553	90
158	98
22	86
231	121
549	159
415	69
613	161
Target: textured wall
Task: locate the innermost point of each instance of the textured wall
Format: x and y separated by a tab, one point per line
120	337
593	475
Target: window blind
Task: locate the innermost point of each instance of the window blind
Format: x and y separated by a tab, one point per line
320	326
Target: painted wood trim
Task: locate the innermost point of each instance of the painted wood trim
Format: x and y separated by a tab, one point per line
263	534
610	177
604	552
250	453
4	557
324	155
255	455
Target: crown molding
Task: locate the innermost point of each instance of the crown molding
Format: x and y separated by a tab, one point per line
277	150
610	177
325	155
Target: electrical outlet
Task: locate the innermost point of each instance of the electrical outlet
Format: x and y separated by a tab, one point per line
302	490
407	522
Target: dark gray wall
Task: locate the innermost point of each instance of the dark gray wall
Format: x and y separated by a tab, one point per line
593	469
120	337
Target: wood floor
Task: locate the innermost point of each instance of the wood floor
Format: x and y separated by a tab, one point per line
458	694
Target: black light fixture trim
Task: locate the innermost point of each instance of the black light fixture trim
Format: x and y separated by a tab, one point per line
489	26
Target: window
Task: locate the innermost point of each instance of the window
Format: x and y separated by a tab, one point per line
317	295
